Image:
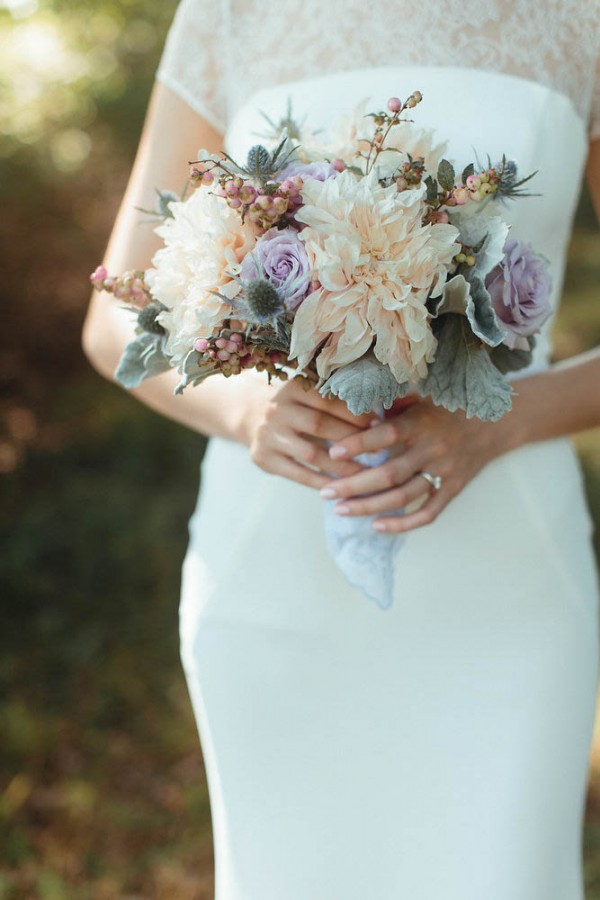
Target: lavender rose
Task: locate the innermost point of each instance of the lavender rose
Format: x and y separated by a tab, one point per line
320	170
520	290
280	257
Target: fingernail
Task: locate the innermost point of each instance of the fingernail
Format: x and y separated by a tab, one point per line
337	452
380	526
328	493
374	423
342	509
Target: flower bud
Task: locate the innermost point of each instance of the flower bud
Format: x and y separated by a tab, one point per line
97	277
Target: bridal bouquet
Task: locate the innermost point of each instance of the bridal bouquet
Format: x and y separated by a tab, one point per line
362	262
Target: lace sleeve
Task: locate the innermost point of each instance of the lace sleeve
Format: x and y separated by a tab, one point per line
594	130
191	60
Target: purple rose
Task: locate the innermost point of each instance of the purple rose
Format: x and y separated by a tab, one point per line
520	288
320	170
281	258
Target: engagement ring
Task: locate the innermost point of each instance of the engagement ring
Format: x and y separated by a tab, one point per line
434	480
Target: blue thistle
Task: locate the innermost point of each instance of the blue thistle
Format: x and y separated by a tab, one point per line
263	301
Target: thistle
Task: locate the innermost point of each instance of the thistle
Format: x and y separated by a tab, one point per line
147	319
263	301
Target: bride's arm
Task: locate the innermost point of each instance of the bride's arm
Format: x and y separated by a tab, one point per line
272	420
171	133
560	401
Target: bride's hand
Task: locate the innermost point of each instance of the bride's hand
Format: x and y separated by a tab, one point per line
288	429
423	437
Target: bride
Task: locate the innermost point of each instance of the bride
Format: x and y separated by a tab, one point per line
437	750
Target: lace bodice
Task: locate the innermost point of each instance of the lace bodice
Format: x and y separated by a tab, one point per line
219	53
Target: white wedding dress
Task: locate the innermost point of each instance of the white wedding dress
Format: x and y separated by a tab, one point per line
437	750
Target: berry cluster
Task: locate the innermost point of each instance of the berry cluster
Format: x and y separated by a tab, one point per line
410	174
230	353
264	206
384	121
477	187
129	287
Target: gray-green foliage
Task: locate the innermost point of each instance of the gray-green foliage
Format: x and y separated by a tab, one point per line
142	358
468	296
507	360
193	373
365	385
463	376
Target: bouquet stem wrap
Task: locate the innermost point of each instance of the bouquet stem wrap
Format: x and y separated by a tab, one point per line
366	558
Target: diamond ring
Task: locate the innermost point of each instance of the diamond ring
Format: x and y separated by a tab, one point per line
434	480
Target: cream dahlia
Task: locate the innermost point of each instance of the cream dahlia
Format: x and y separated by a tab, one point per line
376	264
205	242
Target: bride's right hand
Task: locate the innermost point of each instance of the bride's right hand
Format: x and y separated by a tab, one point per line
287	429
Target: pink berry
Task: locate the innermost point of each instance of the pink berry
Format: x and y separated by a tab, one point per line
220	343
394	104
338	164
98	276
201	345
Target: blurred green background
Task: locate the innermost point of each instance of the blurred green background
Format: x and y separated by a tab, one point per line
102	791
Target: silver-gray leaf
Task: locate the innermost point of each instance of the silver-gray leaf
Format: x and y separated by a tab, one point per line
462	376
365	385
142	358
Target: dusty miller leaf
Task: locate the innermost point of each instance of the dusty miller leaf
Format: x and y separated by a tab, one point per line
469	297
462	376
507	360
192	372
481	313
365	385
142	358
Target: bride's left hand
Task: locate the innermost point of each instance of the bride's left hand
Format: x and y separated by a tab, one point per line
422	437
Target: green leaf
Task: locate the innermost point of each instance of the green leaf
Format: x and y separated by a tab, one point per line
365	385
507	360
462	376
468	170
142	358
432	190
446	175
